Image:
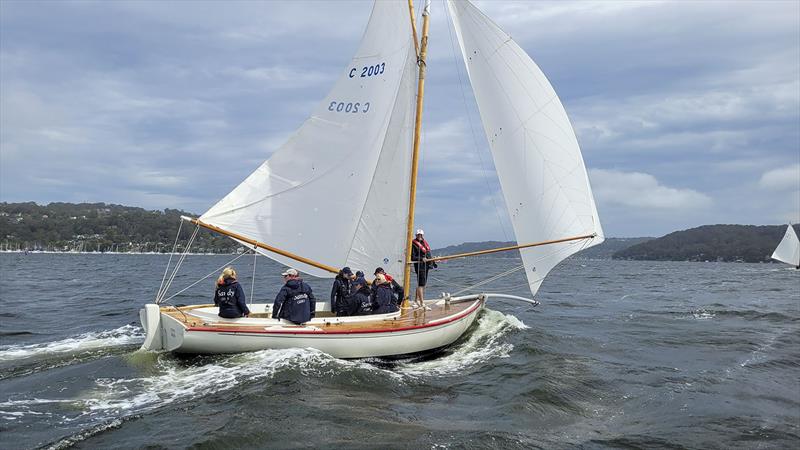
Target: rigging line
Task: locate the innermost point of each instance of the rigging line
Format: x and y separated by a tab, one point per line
166	269
179	263
201	279
253	284
489	280
472	125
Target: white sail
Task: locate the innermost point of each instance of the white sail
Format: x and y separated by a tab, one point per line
788	250
534	147
336	192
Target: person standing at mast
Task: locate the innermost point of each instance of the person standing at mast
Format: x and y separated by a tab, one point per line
421	250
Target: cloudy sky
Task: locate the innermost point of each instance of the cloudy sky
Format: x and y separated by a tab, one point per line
688	112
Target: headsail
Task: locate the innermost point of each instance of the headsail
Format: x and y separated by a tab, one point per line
788	250
330	193
535	151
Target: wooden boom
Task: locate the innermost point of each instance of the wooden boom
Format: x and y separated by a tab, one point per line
270	248
504	249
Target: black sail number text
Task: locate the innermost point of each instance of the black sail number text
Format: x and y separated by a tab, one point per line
368	71
349	107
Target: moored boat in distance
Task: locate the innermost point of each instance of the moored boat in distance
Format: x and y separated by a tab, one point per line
371	119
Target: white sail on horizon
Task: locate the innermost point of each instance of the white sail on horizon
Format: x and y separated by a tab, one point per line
334	192
788	250
536	153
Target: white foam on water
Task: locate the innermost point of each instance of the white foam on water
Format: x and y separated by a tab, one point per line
121	397
85	434
124	335
483	344
702	314
113	399
15	409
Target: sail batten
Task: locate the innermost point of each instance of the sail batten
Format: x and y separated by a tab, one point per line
534	147
319	194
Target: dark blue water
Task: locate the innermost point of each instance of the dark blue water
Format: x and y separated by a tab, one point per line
619	355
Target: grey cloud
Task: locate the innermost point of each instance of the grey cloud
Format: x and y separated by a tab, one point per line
144	102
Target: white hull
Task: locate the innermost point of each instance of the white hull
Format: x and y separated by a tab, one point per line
351	337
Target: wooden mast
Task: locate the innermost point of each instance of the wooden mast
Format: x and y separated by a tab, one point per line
270	248
412	197
413	27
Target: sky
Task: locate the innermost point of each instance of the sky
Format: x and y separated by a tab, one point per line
687	112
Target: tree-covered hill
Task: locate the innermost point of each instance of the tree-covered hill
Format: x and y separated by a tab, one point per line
99	227
747	243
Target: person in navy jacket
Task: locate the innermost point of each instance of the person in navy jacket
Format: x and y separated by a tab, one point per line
360	296
229	296
340	290
383	298
295	301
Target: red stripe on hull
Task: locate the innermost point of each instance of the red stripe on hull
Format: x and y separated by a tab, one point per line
366	331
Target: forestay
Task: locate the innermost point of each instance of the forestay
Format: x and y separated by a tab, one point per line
534	147
788	250
337	191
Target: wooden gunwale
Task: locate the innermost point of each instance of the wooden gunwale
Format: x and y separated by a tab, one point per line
409	320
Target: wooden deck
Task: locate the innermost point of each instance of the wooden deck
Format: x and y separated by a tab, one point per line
408	319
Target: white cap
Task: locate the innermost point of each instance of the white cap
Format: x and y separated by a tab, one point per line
420	231
291	272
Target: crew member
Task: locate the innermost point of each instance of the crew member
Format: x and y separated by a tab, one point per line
382	296
295	301
341	288
229	296
361	297
397	289
421	250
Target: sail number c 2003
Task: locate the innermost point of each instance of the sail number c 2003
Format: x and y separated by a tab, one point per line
349	107
368	71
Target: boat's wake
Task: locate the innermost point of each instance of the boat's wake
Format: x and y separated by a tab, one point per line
20	360
482	344
124	335
163	379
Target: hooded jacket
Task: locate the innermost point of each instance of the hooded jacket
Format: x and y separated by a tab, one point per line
295	302
396	288
383	299
229	296
350	303
340	291
362	298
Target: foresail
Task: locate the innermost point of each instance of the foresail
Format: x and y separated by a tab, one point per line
329	188
788	250
535	151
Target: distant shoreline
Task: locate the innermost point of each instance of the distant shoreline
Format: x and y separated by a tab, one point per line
52	252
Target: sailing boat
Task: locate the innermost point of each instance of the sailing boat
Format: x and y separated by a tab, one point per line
355	141
788	250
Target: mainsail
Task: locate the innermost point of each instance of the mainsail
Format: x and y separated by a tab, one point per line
534	147
336	192
788	250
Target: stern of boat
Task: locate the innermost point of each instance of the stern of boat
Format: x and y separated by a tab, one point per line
162	332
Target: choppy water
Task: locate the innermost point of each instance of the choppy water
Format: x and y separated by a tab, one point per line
619	354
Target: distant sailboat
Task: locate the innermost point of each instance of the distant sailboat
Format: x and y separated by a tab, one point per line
788	250
336	194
